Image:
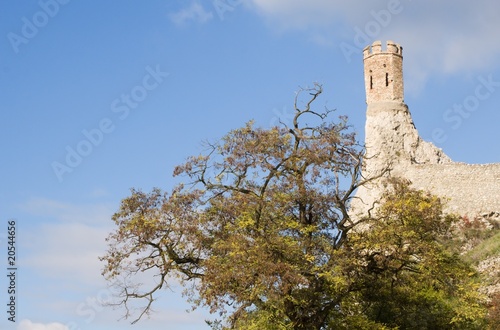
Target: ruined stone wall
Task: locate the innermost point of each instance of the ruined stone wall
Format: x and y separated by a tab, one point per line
470	189
391	138
392	141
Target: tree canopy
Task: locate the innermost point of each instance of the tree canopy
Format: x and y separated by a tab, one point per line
260	233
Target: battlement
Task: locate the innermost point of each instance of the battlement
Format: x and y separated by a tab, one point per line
376	48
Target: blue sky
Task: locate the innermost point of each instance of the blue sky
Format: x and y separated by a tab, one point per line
98	97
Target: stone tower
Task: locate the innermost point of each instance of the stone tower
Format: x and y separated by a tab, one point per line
392	142
391	139
383	72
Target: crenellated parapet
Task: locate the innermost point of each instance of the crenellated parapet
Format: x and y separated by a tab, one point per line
376	48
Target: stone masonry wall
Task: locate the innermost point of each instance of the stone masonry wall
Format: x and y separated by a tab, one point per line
392	141
471	189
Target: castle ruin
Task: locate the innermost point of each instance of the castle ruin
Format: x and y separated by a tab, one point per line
392	141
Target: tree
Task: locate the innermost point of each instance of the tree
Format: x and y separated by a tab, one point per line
261	234
408	274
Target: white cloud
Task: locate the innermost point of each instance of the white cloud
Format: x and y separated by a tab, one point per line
65	251
443	37
98	213
310	13
28	325
67	244
195	12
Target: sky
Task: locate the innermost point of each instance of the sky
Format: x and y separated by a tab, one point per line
97	97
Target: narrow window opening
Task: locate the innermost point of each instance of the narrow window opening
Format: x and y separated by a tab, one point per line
386	79
371	82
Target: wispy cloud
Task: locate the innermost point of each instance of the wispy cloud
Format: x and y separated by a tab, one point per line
194	13
65	251
29	325
97	213
68	244
444	37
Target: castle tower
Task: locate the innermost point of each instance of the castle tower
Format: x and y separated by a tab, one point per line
390	134
383	73
392	142
395	149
